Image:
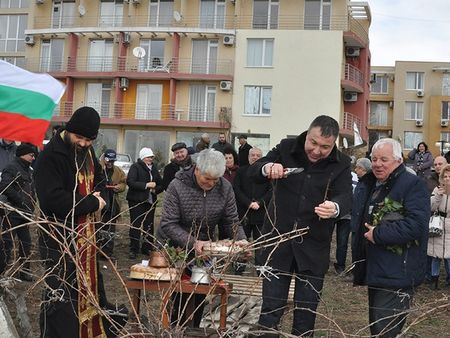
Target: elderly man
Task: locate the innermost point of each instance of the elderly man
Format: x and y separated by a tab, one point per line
203	143
196	201
313	197
391	240
116	182
68	181
181	159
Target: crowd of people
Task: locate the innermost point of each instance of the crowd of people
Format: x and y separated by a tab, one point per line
215	192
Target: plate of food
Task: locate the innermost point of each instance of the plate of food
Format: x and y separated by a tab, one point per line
141	271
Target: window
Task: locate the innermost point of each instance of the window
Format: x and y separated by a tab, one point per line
159	141
149	101
413	110
100	56
378	113
414	80
98	96
265	14
380	86
412	139
111	13
14	3
106	138
258	100
161	13
17	61
12	33
52	52
204	56
154	54
445	114
192	138
375	135
202	102
317	14
446	85
212	14
63	13
259	52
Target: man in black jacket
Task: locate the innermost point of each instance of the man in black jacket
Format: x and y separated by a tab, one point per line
68	181
18	187
312	198
144	184
181	159
244	148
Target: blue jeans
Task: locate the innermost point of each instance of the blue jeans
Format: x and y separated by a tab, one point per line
436	266
342	234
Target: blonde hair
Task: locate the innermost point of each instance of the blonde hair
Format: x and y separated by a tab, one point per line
444	169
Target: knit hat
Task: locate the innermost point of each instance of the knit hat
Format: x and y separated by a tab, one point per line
364	163
190	150
145	152
85	121
110	155
24	149
178	146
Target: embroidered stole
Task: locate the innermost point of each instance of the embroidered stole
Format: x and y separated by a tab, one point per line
90	320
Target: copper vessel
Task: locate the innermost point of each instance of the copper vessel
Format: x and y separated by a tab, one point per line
158	260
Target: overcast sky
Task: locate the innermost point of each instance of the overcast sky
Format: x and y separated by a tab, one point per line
409	30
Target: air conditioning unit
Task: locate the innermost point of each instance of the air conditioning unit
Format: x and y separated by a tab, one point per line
373	78
135	1
29	40
444	123
419	123
228	40
124	82
391	104
39	2
225	85
420	93
126	38
350	97
352	51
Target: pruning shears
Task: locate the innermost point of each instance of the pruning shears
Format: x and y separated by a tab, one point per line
292	171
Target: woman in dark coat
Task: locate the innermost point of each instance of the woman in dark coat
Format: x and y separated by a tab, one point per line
144	184
423	160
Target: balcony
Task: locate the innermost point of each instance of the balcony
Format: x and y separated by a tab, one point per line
347	124
156	68
165	115
195	24
353	79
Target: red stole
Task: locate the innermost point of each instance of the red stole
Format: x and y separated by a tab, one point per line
91	325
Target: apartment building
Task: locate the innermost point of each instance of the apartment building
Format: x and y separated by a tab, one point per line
161	71
410	102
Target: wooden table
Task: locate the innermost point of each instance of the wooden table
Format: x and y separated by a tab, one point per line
168	287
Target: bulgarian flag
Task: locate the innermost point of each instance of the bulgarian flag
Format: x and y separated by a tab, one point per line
27	102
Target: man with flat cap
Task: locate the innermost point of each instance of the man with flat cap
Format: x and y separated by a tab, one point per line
181	159
69	180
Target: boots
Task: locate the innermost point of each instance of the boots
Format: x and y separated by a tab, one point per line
434	282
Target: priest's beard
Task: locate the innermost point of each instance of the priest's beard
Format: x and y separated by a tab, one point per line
79	154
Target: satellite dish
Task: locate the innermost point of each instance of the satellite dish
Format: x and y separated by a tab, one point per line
345	142
177	16
81	10
139	52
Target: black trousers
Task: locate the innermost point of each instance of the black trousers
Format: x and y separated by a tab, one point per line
306	299
342	234
387	311
142	216
106	233
13	226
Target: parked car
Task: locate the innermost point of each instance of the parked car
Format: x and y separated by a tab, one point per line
124	162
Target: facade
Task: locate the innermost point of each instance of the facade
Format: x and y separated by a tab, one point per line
411	102
162	71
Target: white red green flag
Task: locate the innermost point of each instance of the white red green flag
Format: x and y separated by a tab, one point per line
27	102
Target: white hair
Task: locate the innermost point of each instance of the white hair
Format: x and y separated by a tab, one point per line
396	147
211	162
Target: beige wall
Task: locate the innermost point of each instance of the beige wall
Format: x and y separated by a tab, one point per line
305	80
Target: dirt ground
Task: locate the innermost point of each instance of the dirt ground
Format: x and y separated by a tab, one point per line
343	308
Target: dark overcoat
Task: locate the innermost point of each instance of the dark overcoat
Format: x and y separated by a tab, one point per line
137	179
294	200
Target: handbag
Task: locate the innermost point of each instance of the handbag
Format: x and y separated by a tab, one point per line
435	226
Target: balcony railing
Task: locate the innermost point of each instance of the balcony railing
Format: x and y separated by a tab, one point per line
205	23
348	120
131	64
353	74
132	111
